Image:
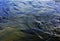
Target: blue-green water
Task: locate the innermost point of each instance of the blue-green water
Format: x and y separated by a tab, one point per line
29	20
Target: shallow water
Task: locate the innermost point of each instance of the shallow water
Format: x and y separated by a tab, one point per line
30	20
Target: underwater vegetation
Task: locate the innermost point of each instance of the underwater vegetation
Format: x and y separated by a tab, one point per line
29	20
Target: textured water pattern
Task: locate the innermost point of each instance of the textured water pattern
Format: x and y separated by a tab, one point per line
29	20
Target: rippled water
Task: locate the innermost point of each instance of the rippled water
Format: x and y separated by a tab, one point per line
36	19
